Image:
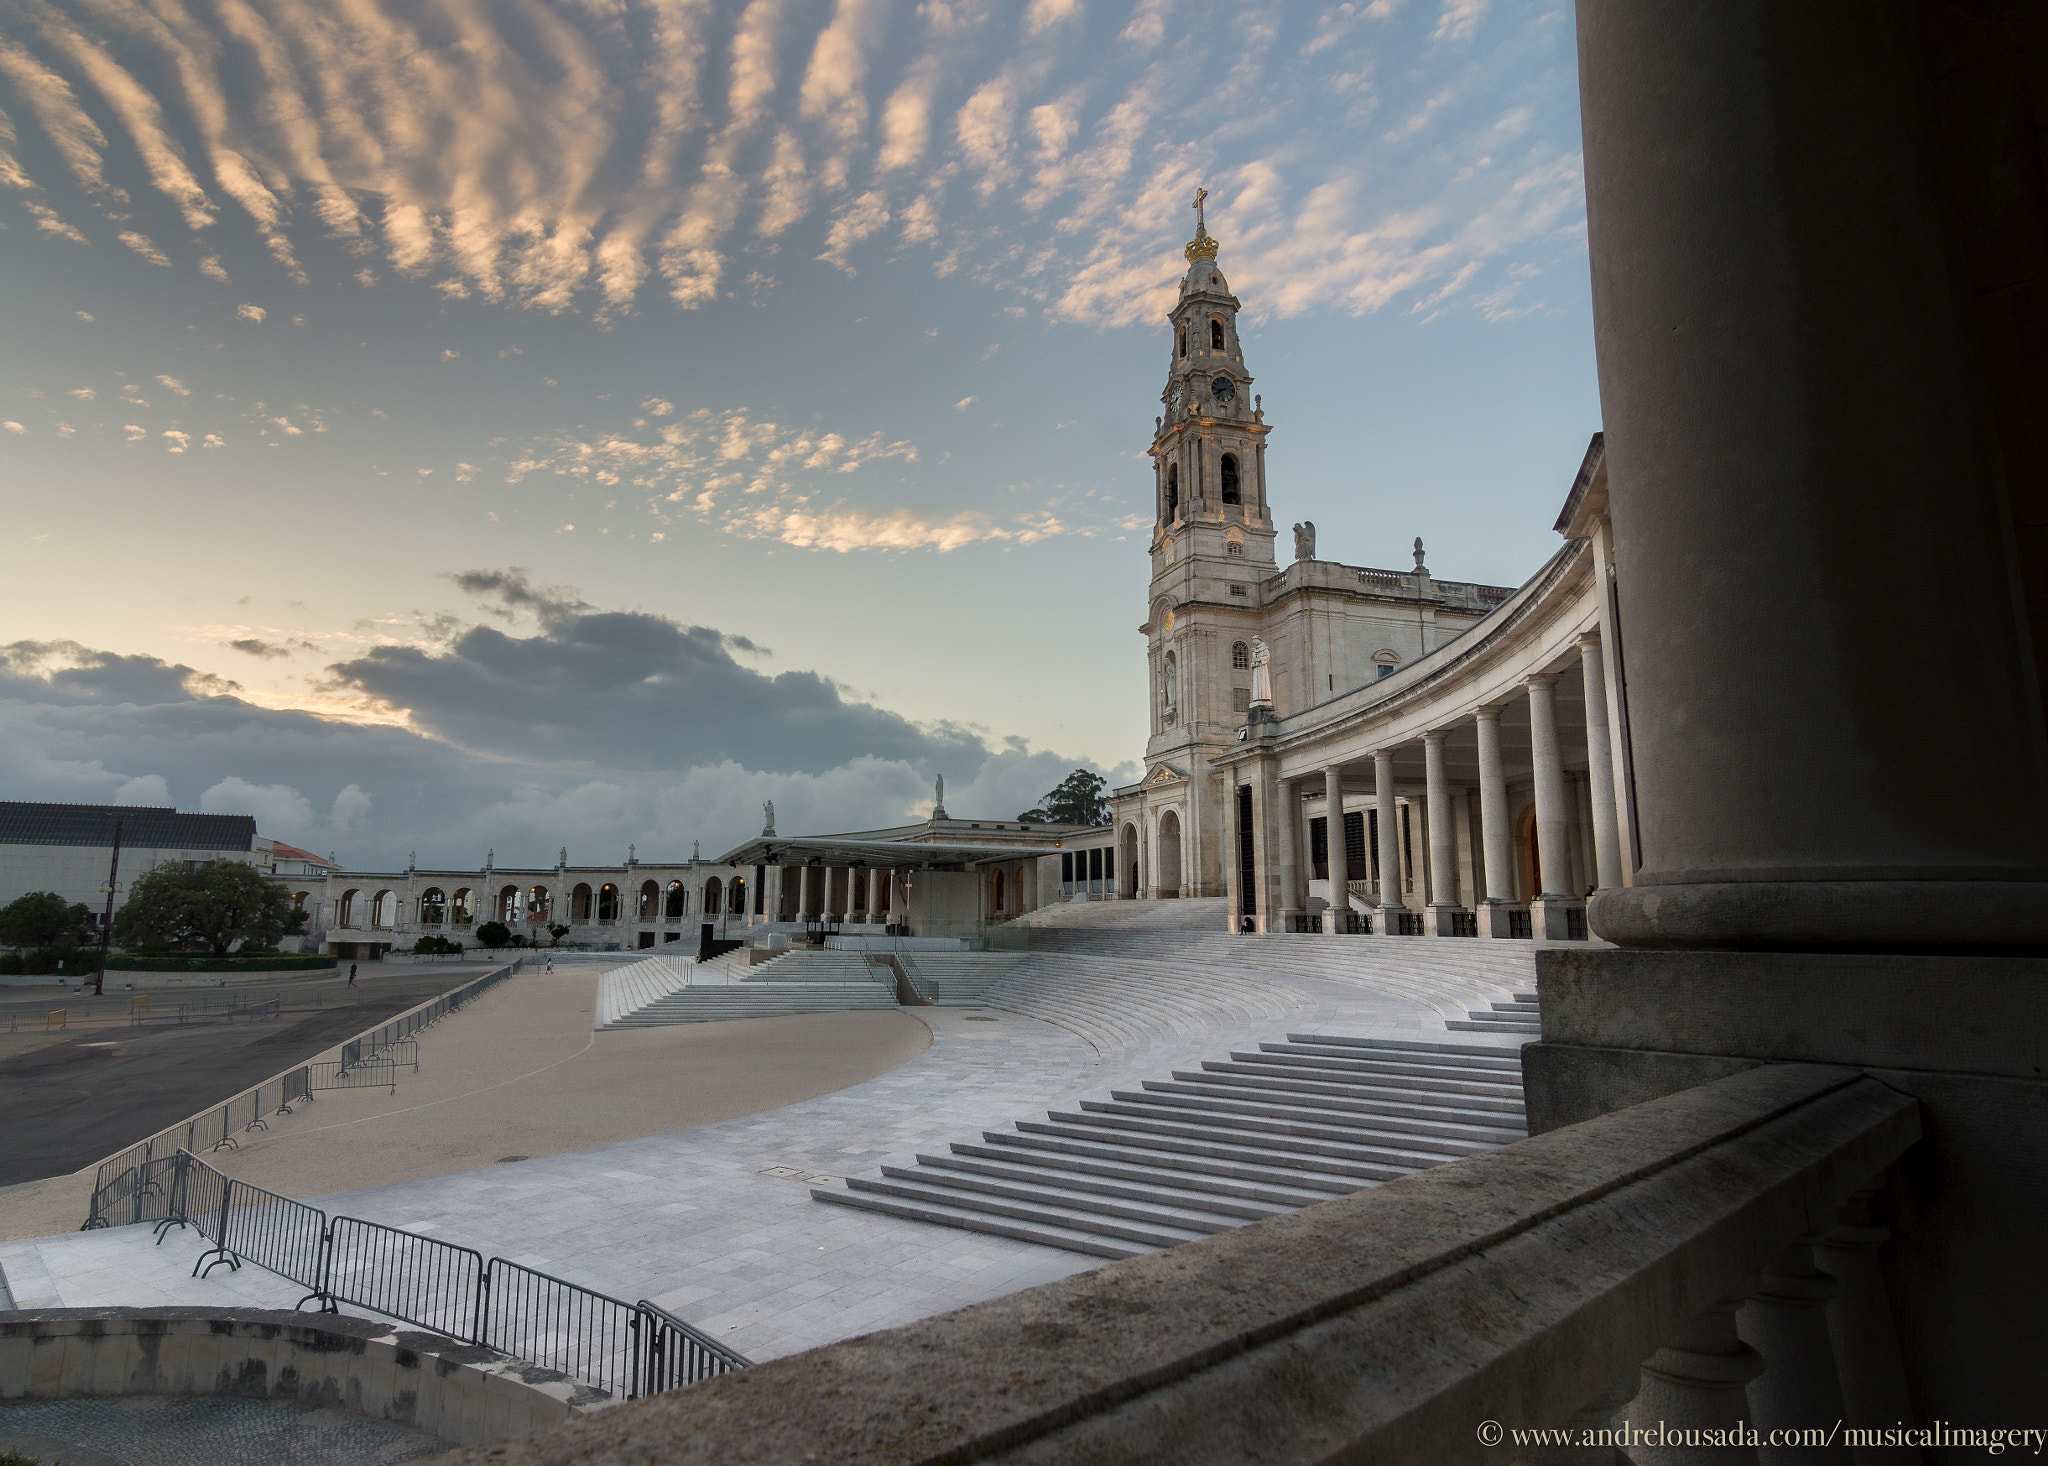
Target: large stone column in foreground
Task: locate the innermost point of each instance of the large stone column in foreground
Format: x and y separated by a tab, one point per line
1819	595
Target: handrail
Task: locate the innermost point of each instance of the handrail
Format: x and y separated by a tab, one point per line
615	1347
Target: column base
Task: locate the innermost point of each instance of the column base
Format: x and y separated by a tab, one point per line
1829	916
1397	921
1446	920
1558	918
1503	919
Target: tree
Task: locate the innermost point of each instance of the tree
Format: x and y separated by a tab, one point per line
1076	801
494	934
208	908
558	930
42	919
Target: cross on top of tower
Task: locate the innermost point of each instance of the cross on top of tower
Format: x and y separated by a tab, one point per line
1201	247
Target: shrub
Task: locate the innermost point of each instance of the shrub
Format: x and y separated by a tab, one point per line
433	945
494	934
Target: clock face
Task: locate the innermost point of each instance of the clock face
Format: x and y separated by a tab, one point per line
1175	400
1223	389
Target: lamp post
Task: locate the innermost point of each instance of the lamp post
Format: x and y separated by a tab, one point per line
99	987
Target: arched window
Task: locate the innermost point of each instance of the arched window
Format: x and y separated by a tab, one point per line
678	902
608	902
1234	547
508	905
540	906
737	896
999	892
1172	491
433	907
384	909
1231	493
579	903
345	910
1240	654
1183	341
650	901
714	892
1215	334
462	907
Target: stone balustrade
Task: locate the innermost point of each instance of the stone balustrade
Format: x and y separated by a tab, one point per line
1522	1288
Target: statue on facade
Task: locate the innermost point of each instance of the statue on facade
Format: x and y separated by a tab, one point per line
1305	540
693	851
1420	568
562	857
1262	679
767	818
939	797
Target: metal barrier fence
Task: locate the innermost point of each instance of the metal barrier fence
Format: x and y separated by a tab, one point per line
421	1280
116	1195
534	1315
363	1074
620	1348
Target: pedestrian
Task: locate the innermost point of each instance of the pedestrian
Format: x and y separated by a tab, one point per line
351	974
551	962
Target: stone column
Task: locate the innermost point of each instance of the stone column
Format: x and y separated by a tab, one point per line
1553	814
1498	907
1787	361
1340	856
1285	821
1390	841
1263	861
1443	852
1860	1324
1461	835
1600	767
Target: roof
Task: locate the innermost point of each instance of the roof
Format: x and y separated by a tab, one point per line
878	854
143	826
282	851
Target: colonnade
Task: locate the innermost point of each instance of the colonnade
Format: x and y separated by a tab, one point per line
832	893
1566	802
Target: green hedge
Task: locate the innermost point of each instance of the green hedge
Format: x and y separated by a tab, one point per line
272	962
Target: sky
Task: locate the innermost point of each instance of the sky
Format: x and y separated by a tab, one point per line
441	426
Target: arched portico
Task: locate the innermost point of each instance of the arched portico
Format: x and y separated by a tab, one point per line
1169	875
1128	882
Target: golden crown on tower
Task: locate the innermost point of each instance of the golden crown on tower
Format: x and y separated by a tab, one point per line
1201	247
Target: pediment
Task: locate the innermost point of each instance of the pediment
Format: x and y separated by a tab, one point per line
1165	774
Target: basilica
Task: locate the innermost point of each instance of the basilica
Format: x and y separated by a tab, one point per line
1348	749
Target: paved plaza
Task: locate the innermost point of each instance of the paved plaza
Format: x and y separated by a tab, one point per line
716	1222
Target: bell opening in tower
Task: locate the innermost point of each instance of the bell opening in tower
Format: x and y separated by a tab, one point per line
1215	335
1231	493
1172	492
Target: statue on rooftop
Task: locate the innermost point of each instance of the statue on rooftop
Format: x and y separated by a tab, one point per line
1420	568
1262	679
767	816
939	797
1305	540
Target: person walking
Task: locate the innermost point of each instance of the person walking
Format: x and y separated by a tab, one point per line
551	963
351	974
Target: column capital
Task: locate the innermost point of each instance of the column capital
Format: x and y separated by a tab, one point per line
1589	639
1435	738
1540	679
1486	715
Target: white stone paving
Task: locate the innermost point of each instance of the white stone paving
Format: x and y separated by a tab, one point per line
717	1223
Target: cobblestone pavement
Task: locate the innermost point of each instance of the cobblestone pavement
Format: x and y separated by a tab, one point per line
716	1223
149	1430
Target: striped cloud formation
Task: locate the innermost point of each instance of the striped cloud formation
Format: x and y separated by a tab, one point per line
605	156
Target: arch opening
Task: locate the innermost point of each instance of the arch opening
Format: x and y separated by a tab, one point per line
1169	853
1233	493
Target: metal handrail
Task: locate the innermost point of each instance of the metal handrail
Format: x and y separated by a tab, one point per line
616	1347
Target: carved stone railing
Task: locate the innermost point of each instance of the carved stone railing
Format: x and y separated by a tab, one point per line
1520	1289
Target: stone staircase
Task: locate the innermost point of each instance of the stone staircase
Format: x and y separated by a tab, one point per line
1116	1002
1239	1139
1518	1017
959	978
662	991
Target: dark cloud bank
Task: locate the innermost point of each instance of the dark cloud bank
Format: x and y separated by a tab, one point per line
594	728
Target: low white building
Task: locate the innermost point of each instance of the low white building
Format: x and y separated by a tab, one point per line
68	848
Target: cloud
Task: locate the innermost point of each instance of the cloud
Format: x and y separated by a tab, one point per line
964	403
83	394
211	267
1459	19
66	672
143	245
178	441
252	646
136	433
279	809
172	384
12	426
146	789
251	313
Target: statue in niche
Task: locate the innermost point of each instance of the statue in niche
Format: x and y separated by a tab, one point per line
1305	540
767	817
1262	679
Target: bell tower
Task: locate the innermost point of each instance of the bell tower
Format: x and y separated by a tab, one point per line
1212	557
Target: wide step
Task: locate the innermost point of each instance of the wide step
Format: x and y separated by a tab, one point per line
1233	1143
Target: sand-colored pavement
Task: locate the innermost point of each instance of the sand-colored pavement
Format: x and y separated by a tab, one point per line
519	1074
